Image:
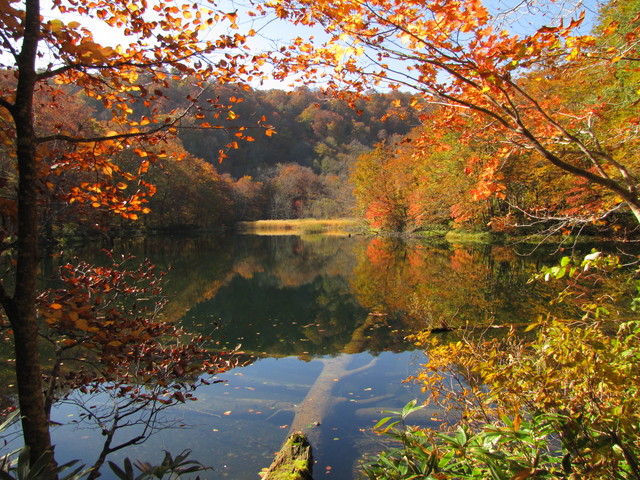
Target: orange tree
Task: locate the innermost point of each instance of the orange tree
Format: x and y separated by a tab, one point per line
425	180
442	178
44	51
382	183
515	88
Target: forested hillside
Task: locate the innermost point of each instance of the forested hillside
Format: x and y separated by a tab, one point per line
272	154
543	149
537	131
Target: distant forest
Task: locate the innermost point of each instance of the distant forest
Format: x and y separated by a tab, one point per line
272	155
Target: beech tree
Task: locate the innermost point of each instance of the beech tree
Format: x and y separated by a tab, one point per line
508	85
44	52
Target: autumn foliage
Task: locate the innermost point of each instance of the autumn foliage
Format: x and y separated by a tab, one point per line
551	105
54	162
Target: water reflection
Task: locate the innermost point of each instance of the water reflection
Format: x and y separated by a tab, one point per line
311	312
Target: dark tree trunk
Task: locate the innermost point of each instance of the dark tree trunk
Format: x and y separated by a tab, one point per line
21	308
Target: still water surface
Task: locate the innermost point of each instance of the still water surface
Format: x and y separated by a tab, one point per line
329	312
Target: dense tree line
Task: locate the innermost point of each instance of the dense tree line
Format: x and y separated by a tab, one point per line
534	129
294	162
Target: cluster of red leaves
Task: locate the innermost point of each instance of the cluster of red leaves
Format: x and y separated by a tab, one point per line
105	326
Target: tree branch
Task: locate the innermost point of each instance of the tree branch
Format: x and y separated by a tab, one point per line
5	104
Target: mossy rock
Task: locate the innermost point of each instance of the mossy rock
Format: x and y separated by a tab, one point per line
293	461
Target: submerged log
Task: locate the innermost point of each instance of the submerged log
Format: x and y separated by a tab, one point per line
296	451
320	399
293	461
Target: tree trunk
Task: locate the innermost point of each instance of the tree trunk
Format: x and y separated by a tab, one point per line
635	209
293	461
21	309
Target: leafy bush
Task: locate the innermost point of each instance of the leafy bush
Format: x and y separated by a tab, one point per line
561	401
17	465
519	449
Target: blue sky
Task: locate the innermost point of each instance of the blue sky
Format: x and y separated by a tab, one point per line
519	16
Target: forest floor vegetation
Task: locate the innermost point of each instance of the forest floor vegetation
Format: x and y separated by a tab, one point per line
560	402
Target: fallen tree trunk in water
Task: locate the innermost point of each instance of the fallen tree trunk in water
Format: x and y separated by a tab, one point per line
296	451
293	462
316	405
320	399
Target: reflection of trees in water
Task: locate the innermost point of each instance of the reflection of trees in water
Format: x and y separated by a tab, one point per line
199	267
433	287
296	300
111	357
299	302
322	295
314	318
292	296
295	261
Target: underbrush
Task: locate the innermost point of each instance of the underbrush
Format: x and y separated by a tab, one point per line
561	402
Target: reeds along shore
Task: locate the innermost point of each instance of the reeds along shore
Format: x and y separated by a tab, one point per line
340	226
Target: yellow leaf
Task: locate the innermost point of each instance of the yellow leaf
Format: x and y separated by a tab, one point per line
516	423
56	25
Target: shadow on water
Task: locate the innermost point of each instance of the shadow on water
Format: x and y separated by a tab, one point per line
330	313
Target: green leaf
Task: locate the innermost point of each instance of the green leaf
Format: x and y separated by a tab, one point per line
118	471
410	407
381	422
461	437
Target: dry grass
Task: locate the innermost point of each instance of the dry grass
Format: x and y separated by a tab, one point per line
336	226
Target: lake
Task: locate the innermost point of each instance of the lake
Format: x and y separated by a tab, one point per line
328	315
